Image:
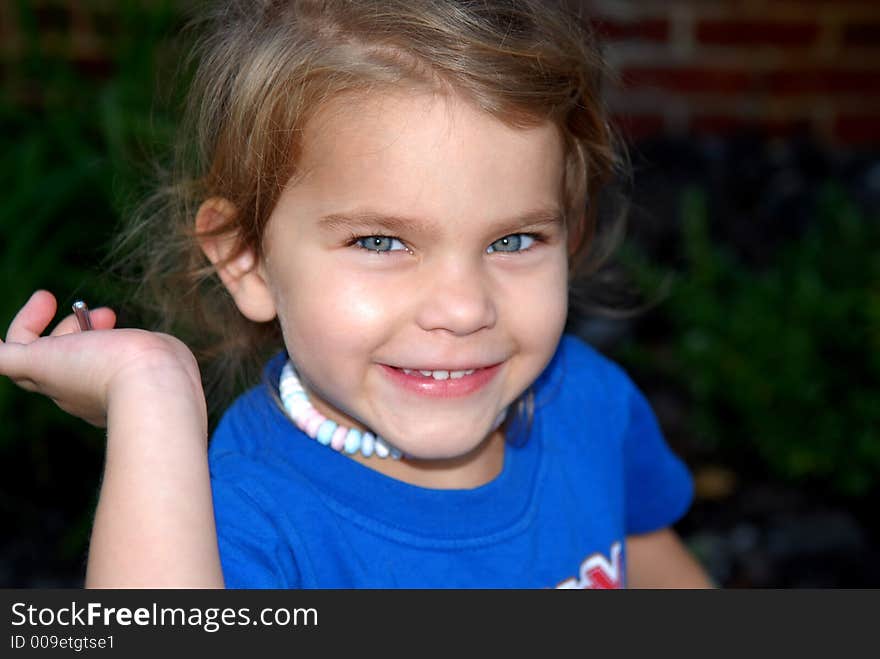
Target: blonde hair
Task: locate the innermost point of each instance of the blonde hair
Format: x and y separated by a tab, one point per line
266	67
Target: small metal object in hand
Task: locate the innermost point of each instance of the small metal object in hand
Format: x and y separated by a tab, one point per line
81	311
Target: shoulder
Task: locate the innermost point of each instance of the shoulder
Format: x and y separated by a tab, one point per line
579	354
257	455
250	425
581	374
584	394
615	423
245	424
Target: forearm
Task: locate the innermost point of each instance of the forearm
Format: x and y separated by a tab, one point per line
154	524
661	560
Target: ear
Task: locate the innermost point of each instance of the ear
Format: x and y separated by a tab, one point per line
242	276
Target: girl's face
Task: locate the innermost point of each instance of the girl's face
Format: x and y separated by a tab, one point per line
424	235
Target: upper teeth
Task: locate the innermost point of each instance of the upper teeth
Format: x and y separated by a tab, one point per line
441	375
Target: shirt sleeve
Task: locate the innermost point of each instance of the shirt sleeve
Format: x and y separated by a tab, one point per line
659	488
251	553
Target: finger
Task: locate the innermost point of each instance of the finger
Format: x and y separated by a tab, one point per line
13	364
32	319
101	318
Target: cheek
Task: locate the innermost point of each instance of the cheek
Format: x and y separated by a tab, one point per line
336	317
539	308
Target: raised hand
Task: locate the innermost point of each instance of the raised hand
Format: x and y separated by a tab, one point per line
81	370
154	524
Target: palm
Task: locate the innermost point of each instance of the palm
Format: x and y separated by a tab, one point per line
78	369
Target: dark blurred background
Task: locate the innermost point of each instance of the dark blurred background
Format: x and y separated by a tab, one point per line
754	133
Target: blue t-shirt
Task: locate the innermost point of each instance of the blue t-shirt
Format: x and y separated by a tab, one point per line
292	513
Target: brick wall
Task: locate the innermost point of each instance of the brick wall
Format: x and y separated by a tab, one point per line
779	67
782	67
79	32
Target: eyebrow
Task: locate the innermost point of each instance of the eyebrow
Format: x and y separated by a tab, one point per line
401	224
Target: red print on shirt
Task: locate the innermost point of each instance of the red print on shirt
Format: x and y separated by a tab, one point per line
598	572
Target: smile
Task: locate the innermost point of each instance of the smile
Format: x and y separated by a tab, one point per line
441	383
438	375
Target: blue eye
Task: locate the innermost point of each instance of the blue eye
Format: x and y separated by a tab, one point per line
380	244
515	242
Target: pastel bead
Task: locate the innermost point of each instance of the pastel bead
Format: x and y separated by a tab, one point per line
295	397
316	425
353	441
289	381
325	432
290	385
381	448
306	419
296	403
338	441
313	424
300	412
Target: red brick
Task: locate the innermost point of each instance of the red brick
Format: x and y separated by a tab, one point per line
861	34
49	18
709	124
690	80
652	29
858	129
756	33
94	66
639	126
823	81
717	124
835	3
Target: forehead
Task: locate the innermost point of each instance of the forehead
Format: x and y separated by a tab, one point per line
425	155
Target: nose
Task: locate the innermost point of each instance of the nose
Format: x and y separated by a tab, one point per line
456	297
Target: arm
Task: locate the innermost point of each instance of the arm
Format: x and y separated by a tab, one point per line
659	559
154	524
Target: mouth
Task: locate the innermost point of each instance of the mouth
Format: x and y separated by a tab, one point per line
442	383
438	374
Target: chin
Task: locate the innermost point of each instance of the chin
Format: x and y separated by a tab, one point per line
437	446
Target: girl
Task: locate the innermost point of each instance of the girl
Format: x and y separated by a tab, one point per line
400	194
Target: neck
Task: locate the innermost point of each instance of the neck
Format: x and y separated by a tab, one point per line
476	468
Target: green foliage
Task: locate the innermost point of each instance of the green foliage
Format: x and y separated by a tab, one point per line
783	362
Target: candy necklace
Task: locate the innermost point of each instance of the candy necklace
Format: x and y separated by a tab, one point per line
329	433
